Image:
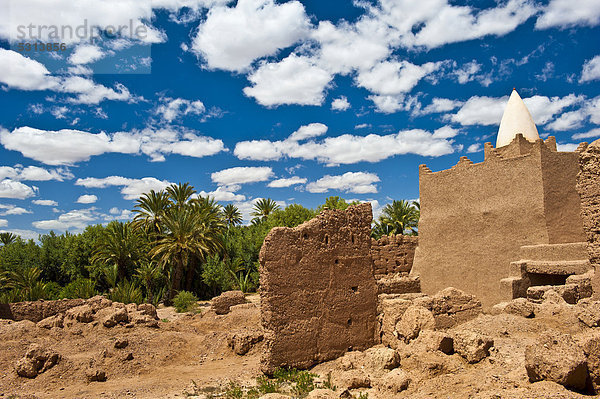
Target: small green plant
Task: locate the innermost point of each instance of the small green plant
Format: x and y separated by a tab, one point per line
305	382
302	381
11	296
362	395
81	288
127	292
234	391
185	301
329	384
165	320
266	385
253	393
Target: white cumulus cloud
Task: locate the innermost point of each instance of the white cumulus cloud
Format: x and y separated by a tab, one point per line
591	134
43	202
349	149
23	73
87	199
566	13
287	182
34	173
231	38
394	77
74	220
241	175
14	189
309	131
293	80
131	188
85	54
224	194
488	110
171	109
67	147
591	70
340	104
349	182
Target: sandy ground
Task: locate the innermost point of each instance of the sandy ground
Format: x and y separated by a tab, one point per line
191	350
186	348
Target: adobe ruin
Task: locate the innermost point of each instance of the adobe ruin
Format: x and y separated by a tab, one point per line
588	185
318	293
392	262
519	202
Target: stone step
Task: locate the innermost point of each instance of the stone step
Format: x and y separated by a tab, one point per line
555	252
564	268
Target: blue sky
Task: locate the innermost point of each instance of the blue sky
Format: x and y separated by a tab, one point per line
295	101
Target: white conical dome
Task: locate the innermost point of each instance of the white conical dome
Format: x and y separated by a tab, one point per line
516	119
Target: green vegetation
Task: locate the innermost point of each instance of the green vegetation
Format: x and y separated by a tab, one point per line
177	243
399	217
185	301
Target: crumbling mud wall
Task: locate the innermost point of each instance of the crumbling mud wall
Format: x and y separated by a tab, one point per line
393	254
588	186
36	310
476	217
318	292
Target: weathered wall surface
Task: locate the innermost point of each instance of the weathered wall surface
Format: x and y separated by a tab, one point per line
588	185
393	254
561	199
36	310
318	292
475	217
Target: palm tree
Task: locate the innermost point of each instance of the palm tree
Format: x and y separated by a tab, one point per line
148	273
232	215
180	193
27	283
149	210
120	245
381	229
190	232
263	208
398	217
8	238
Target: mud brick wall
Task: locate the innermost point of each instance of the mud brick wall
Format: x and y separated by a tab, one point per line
476	217
393	254
588	186
36	310
318	292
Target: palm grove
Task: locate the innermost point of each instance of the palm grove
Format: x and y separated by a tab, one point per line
177	241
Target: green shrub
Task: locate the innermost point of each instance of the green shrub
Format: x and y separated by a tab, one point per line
127	292
234	390
11	296
266	385
302	381
81	288
53	290
185	301
305	382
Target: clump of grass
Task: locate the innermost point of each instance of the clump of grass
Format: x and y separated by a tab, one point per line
301	381
185	301
329	384
266	385
234	391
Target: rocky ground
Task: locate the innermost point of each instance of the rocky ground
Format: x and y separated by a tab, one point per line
106	350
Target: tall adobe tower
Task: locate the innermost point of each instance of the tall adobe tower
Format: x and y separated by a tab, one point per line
478	221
